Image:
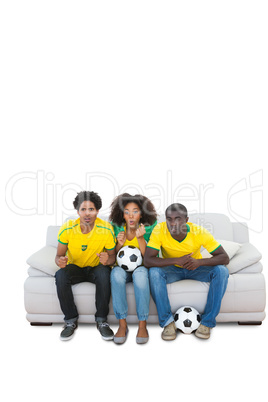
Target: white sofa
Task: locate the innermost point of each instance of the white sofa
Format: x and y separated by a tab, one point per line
243	302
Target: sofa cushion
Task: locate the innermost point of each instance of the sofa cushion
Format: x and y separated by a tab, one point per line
44	260
246	256
240	255
230	247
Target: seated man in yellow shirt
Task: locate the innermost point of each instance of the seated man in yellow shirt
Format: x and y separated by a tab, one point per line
86	249
180	242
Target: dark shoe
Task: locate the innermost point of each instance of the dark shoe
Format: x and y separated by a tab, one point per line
68	331
105	331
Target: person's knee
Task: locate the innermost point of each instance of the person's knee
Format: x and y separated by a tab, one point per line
61	276
222	272
118	275
102	273
154	273
141	277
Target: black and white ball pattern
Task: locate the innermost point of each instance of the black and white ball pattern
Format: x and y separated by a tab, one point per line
187	319
129	258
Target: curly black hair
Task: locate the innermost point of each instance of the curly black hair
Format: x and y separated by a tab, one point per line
87	196
148	213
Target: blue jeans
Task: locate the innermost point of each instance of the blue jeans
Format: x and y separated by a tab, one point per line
140	278
160	277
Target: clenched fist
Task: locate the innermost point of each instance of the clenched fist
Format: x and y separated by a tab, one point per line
121	238
140	231
62	261
103	257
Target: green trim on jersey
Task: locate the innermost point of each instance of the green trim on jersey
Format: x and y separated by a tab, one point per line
148	230
71	227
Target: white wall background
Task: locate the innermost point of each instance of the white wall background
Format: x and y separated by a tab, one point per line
164	98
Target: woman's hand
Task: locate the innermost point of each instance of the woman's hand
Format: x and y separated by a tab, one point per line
121	238
140	231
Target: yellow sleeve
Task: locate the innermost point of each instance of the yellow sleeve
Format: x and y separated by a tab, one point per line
63	235
208	241
155	238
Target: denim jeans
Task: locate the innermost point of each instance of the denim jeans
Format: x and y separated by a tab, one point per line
140	278
160	277
71	275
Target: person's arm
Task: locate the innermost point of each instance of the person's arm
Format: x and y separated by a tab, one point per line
107	257
219	257
151	259
140	232
61	259
121	238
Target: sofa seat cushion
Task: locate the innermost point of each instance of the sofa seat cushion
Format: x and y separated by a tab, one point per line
245	294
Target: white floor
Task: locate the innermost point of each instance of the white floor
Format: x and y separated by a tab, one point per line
231	365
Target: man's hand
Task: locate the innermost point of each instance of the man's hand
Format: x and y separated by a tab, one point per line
103	257
140	231
62	261
190	263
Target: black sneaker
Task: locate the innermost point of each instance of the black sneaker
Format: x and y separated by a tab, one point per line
68	331
105	331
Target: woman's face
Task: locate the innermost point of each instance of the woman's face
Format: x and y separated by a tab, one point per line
132	215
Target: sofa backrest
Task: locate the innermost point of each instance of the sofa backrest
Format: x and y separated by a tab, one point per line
218	224
52	236
221	227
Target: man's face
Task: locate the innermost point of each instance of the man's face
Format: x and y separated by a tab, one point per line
176	222
88	213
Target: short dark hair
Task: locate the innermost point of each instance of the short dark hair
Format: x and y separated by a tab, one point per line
177	208
148	212
87	196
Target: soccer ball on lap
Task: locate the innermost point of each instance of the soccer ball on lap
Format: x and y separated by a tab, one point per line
187	319
129	258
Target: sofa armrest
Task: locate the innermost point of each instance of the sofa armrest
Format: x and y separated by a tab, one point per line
44	260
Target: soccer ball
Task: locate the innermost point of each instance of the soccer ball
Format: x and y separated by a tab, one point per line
129	258
187	319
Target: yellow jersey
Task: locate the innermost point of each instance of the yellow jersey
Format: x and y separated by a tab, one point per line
196	237
83	248
134	242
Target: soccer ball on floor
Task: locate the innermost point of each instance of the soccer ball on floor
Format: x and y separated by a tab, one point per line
187	319
129	258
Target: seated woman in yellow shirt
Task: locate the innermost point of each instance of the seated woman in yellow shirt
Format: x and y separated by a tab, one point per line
133	219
